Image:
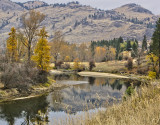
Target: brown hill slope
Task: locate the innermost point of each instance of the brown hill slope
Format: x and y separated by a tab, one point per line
81	23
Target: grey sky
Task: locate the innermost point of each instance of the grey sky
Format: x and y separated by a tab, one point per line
152	5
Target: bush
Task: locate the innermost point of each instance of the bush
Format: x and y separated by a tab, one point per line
129	91
82	67
77	66
66	66
152	74
91	65
142	70
130	64
58	64
22	76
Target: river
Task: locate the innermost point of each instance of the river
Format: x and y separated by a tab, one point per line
85	95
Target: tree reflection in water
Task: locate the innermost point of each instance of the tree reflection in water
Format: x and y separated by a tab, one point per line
34	110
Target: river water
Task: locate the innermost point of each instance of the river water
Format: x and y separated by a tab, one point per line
87	95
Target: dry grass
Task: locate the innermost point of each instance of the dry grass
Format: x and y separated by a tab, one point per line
111	66
140	109
108	67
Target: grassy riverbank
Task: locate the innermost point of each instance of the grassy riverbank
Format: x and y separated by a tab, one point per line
139	109
33	91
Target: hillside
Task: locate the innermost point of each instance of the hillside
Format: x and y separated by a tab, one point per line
81	23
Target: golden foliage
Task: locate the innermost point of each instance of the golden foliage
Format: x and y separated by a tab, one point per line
111	53
153	61
42	51
152	74
100	54
76	64
12	46
67	59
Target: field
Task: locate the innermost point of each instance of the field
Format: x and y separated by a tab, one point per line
108	67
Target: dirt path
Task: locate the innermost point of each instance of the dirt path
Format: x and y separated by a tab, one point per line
97	74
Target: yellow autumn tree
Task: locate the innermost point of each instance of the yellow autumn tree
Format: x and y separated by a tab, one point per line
100	54
152	60
42	51
76	64
67	59
12	54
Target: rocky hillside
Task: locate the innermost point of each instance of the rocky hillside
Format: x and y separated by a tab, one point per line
32	4
81	23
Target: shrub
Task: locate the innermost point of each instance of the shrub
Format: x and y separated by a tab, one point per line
130	64
58	64
22	76
91	65
82	67
152	74
129	91
76	64
142	70
66	66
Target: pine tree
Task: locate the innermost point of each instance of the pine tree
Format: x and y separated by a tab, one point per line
135	49
121	39
42	52
136	41
12	54
118	48
128	45
155	46
144	44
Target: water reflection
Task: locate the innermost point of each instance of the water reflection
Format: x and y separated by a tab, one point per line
94	93
32	110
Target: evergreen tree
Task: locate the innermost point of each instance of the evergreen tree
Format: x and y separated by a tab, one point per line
155	46
144	44
42	52
136	41
135	49
92	48
128	45
121	39
118	48
12	54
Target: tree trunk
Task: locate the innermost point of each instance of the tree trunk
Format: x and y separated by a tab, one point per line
159	60
29	55
29	52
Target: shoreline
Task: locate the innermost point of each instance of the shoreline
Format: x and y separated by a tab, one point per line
101	74
37	91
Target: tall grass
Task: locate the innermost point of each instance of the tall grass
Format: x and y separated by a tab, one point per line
142	108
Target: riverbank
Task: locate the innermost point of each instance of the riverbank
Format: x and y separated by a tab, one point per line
32	92
98	74
38	90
